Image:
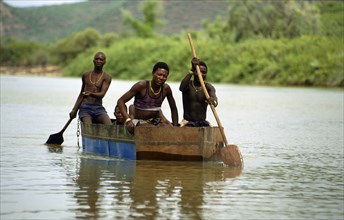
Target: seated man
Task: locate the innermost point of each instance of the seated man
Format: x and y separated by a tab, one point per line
149	96
194	100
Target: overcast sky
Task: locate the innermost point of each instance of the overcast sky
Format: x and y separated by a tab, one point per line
36	3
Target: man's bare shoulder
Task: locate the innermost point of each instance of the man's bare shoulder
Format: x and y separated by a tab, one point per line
107	76
208	85
141	83
166	87
86	73
139	86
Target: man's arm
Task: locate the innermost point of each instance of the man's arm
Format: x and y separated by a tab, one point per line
184	85
173	106
72	114
212	94
127	96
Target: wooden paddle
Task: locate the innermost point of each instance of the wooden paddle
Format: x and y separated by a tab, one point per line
57	139
230	154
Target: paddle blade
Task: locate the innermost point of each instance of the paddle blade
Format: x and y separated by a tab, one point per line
231	156
55	139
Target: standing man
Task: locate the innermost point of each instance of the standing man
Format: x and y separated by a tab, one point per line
194	100
95	84
149	95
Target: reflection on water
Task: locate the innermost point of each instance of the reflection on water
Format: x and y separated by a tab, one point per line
177	187
291	140
102	183
55	148
140	187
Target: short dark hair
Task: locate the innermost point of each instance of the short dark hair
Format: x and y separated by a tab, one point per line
117	107
161	65
100	53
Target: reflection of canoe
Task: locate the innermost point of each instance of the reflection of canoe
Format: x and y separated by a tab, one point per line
92	167
96	180
153	143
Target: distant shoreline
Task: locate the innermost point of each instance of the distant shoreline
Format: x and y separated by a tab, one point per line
36	70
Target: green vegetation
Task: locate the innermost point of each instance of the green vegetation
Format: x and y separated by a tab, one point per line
19	53
305	61
145	29
51	23
301	45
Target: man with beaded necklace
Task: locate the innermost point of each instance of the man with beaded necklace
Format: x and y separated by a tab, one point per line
94	87
149	96
194	100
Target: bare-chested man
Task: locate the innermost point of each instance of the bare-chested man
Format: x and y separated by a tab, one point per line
149	95
95	84
194	100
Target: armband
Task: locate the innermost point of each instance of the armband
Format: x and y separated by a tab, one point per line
127	120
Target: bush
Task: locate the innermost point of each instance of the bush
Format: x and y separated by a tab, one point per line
305	61
19	53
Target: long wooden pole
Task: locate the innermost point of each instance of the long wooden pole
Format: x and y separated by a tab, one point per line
199	74
230	153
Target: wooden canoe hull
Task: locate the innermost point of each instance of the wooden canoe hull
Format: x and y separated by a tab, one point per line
153	143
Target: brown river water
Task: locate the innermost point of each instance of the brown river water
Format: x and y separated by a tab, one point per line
291	140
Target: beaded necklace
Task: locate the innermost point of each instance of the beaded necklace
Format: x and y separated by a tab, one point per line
97	80
155	93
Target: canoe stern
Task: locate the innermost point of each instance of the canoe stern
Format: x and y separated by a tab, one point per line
108	140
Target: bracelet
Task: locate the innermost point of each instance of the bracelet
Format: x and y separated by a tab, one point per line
215	103
127	120
191	72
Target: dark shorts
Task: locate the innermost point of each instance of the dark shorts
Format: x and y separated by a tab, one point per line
92	110
198	124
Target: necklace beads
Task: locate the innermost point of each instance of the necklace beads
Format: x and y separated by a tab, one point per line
151	89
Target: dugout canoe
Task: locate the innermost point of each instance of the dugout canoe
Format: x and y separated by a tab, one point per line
153	143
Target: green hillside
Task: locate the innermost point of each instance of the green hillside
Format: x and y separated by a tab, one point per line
51	23
261	42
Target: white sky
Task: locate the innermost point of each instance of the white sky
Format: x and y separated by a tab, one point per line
36	3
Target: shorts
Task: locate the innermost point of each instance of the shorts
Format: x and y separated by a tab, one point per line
92	110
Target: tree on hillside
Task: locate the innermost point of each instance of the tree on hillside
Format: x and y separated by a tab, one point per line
145	29
68	48
19	53
269	19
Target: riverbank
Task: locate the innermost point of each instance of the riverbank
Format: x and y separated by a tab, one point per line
37	70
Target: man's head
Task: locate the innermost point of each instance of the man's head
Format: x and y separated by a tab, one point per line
160	65
204	70
160	73
99	60
118	115
202	63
